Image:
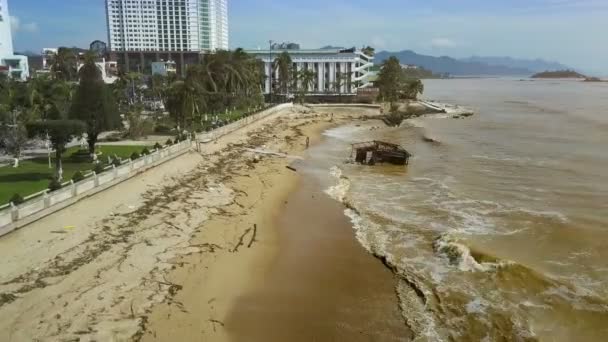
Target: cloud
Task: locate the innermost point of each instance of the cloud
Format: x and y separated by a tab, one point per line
17	26
443	43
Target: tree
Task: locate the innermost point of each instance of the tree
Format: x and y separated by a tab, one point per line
93	104
222	82
15	104
306	82
134	87
53	100
64	65
395	85
369	51
13	137
157	87
390	80
183	101
139	126
413	88
284	65
60	132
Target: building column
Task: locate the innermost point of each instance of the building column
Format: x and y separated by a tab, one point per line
344	81
181	59
320	77
299	67
267	71
332	76
127	63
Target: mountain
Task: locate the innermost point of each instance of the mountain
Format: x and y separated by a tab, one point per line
536	65
453	66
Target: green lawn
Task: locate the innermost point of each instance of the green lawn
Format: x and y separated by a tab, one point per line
34	175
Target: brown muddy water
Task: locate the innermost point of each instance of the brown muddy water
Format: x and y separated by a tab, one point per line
498	232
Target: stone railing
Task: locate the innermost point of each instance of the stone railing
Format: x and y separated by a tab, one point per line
44	203
220	132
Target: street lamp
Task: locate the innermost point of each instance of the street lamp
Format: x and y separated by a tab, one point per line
270	68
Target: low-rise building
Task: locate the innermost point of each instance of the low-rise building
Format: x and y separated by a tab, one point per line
337	71
109	69
164	68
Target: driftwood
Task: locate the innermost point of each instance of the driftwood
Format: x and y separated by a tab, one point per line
292	168
255	232
236	248
251	241
214	322
272	153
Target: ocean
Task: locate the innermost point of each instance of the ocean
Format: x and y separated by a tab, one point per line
498	230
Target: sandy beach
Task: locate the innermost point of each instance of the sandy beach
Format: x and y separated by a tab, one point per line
213	246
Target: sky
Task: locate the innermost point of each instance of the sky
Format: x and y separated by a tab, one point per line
572	32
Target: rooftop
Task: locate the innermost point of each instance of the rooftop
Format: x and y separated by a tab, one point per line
304	51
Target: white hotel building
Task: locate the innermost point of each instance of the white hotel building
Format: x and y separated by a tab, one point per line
167	25
346	69
15	66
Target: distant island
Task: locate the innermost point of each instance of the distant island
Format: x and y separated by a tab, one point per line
594	79
559	74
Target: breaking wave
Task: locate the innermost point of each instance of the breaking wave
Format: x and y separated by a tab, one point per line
448	291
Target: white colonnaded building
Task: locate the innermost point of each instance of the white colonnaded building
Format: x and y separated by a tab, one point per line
15	66
337	71
167	25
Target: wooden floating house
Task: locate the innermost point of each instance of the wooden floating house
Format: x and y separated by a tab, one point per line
372	152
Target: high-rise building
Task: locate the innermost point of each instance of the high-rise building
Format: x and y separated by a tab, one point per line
16	66
167	25
6	38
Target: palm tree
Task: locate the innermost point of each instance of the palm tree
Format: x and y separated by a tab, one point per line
64	65
223	81
305	79
413	88
184	101
284	65
342	79
134	81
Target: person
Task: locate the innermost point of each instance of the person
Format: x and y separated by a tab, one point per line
307	142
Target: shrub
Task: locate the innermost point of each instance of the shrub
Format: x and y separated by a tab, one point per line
181	137
17	199
114	137
99	168
145	151
77	177
157	146
55	184
80	156
116	161
169	142
162	129
135	155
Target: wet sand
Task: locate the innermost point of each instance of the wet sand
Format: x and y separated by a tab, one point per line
322	286
305	277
